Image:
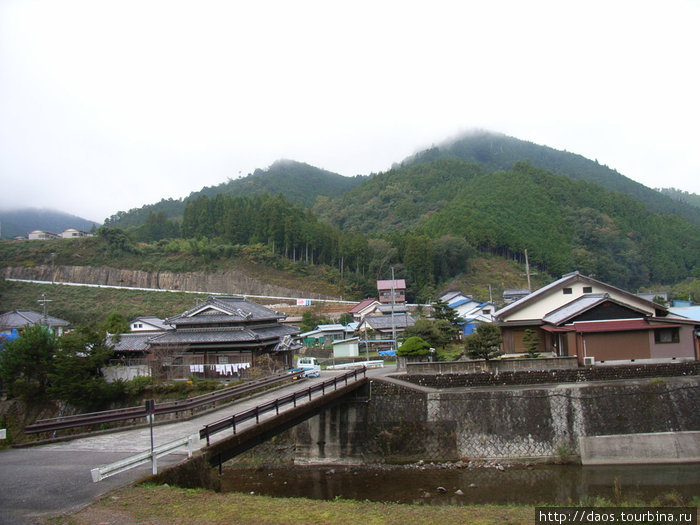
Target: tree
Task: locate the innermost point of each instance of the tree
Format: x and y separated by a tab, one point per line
437	333
75	376
441	310
485	342
115	323
26	362
531	342
414	347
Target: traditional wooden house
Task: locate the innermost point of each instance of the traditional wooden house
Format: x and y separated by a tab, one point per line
363	308
580	316
379	330
21	319
228	330
392	291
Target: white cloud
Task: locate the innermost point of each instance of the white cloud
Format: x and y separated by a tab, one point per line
111	105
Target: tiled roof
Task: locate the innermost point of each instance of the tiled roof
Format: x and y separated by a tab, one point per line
398	284
21	318
225	335
383	322
362	305
555	285
132	342
575	307
224	309
156	322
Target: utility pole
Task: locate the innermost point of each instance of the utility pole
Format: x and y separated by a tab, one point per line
393	322
527	271
43	302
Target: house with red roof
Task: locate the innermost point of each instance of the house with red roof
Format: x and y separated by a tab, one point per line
596	322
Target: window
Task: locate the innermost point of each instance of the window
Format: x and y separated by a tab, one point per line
567	291
487	311
587	289
666	335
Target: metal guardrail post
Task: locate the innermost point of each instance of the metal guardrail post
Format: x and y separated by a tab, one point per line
233	424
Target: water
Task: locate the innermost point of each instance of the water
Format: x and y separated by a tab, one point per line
545	484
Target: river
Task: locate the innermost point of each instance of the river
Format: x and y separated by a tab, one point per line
528	485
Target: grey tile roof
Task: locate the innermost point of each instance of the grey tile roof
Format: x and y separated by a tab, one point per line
224	309
383	322
225	335
133	342
575	307
22	318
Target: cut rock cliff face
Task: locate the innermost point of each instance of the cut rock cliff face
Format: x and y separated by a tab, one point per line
227	282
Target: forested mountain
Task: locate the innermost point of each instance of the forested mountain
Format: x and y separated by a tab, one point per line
21	222
567	225
679	195
494	151
428	216
428	219
298	182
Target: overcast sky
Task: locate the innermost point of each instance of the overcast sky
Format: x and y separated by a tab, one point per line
108	105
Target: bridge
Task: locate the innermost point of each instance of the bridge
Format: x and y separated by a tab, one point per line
56	477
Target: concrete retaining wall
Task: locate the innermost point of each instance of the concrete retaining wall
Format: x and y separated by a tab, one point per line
398	423
491	366
560	375
660	447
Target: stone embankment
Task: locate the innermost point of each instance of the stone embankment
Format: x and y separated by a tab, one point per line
399	422
227	282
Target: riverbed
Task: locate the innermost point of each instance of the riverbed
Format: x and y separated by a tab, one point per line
459	484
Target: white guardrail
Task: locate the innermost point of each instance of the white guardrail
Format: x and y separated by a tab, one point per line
367	364
100	473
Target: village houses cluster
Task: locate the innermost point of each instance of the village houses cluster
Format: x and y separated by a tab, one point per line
574	316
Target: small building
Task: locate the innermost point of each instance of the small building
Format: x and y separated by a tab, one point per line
379	330
228	330
392	291
73	233
346	347
41	235
364	308
148	324
478	313
514	294
20	319
324	334
596	322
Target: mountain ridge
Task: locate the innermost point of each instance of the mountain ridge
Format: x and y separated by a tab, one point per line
21	221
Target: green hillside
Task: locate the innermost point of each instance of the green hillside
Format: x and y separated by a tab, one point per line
298	182
570	225
493	152
565	224
683	196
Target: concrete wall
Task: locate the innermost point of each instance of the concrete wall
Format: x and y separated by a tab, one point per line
393	422
230	281
661	447
497	365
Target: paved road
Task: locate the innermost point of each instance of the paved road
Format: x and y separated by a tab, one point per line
55	478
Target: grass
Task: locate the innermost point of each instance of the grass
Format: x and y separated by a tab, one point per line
161	505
